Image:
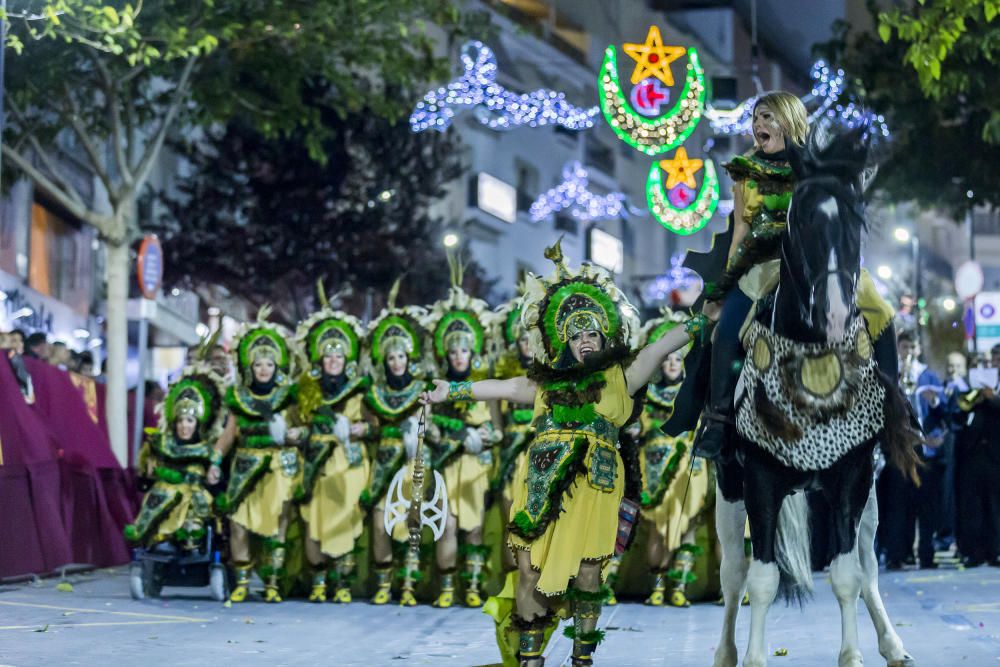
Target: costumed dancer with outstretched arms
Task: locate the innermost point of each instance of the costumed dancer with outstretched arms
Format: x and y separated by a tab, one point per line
566	516
335	463
398	342
518	418
176	455
266	466
672	500
463	436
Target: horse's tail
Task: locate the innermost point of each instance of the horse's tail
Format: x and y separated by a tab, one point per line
901	432
792	550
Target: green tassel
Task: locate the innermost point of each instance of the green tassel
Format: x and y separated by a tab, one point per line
644	499
181	534
590	637
131	533
565	414
365	500
392	432
448	423
169	475
600	595
222	502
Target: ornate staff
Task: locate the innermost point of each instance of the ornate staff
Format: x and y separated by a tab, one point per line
414	520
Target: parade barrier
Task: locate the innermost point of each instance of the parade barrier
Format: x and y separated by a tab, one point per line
65	498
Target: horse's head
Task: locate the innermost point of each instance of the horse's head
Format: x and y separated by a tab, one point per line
821	254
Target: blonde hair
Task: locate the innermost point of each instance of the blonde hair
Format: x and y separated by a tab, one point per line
790	113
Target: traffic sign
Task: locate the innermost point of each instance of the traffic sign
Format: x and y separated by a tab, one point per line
149	266
987	312
969	280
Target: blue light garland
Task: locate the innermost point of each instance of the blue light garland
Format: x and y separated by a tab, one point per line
495	106
677	278
828	86
573	193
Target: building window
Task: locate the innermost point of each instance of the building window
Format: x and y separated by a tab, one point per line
566	223
59	259
527	184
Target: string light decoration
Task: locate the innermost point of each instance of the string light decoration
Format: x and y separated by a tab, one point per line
652	136
678	279
495	106
682	220
828	86
574	193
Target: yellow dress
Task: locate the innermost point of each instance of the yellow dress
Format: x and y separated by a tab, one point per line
587	457
333	513
466	475
263	476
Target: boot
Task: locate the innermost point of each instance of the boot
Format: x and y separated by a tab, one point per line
241	572
318	592
586	609
656	598
345	576
383	580
411	575
611	579
474	563
682	576
271	590
447	595
532	639
717	417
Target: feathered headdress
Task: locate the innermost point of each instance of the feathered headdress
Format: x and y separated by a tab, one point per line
460	320
399	328
328	330
263	339
197	393
556	308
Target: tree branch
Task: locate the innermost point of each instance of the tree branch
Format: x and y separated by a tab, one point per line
113	103
50	162
81	132
71	204
153	146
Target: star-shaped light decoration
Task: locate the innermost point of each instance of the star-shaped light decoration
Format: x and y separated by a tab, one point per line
653	58
681	169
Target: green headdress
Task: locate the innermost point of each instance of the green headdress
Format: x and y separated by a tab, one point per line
398	328
198	393
263	339
657	327
566	303
459	321
326	331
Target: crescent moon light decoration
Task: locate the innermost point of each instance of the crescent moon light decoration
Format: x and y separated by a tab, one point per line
652	136
693	217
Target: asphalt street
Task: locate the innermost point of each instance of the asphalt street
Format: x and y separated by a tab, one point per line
945	617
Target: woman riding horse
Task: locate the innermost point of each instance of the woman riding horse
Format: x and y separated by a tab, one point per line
817	393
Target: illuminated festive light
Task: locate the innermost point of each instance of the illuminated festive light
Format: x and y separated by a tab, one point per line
653	58
694	216
649	135
827	88
681	169
648	97
573	193
678	277
496	107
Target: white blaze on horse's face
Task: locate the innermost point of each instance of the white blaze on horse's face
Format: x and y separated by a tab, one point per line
837	310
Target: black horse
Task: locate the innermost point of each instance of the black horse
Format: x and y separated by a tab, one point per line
815	397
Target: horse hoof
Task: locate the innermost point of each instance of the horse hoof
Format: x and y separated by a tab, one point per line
852	659
906	661
725	657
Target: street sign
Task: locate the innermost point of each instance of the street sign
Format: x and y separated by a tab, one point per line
969	280
987	306
149	266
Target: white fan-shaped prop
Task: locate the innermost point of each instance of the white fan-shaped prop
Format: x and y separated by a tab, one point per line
433	512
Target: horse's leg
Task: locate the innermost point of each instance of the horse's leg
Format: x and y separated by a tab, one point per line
730	521
889	643
765	489
847	486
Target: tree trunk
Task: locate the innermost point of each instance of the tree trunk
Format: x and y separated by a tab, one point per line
117	348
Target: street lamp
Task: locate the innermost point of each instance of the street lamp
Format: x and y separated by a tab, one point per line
902	234
948	304
884	271
450	240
